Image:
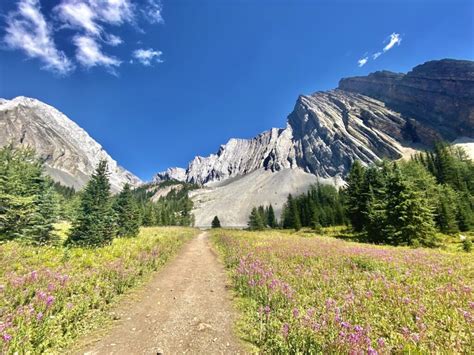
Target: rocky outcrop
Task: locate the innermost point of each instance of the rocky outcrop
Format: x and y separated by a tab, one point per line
69	153
368	118
438	94
178	174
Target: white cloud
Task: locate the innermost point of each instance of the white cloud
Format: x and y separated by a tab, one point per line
27	30
89	53
79	15
147	56
395	39
376	55
114	12
362	61
153	12
113	40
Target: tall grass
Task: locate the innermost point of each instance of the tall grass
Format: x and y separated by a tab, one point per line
50	295
320	294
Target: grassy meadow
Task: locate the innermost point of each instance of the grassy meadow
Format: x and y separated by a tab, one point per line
49	295
307	293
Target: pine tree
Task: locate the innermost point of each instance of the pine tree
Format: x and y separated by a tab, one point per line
446	210
27	204
291	218
409	218
255	220
128	221
216	223
271	219
41	231
355	201
95	224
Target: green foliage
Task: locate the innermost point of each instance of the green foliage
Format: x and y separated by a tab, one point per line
51	295
290	214
257	219
270	217
173	209
322	295
215	222
467	245
322	205
95	222
128	217
28	206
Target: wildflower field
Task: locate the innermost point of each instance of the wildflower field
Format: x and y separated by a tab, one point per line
301	294
49	295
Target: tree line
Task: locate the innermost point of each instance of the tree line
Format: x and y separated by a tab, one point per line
30	204
398	203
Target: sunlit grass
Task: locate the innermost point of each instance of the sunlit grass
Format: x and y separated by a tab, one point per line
49	295
304	293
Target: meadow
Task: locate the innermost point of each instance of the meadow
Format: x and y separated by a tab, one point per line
50	295
306	293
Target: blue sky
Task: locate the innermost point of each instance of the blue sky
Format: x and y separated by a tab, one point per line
157	83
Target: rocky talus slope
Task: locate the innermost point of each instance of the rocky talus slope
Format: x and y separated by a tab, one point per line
70	154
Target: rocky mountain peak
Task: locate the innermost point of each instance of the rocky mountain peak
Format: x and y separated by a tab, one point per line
70	154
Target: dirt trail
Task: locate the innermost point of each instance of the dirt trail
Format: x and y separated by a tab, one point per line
184	309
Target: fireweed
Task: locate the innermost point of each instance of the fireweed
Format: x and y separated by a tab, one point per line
313	295
50	295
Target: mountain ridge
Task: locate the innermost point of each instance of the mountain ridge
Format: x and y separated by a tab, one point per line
69	152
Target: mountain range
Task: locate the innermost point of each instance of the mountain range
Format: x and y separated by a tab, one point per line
383	115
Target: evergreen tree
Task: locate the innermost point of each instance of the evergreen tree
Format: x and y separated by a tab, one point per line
215	222
27	204
409	219
128	219
255	220
95	224
42	228
355	201
291	218
271	219
446	210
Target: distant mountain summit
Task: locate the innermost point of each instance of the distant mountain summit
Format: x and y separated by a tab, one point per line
382	115
70	154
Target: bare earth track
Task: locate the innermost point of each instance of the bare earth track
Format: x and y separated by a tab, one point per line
184	309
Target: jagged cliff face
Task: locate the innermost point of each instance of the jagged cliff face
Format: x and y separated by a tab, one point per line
326	132
333	129
438	94
369	118
70	154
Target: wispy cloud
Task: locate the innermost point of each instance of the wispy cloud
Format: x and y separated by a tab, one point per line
394	39
89	54
153	11
362	61
147	56
91	21
27	30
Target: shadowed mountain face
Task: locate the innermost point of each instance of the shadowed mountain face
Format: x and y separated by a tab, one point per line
70	154
439	94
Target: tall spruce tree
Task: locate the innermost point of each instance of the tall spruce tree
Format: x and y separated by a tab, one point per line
409	219
27	204
355	201
291	217
128	219
95	223
255	220
271	219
